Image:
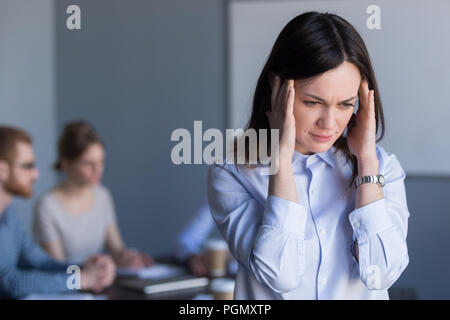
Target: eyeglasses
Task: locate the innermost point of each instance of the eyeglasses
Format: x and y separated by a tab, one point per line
25	165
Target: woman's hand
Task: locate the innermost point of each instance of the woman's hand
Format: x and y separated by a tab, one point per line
197	265
129	258
281	115
98	273
361	134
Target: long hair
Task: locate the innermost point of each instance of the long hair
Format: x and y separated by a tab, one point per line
309	45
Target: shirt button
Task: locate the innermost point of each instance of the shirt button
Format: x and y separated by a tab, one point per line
323	281
356	224
312	192
322	231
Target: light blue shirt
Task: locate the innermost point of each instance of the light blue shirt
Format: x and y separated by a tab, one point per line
289	250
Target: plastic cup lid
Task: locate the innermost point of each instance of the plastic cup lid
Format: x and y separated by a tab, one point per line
222	285
216	244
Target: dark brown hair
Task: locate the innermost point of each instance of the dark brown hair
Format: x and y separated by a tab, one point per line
309	45
9	138
76	138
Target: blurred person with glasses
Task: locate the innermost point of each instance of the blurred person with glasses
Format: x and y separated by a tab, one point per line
24	267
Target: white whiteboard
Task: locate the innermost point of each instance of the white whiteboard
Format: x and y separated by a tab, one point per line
410	55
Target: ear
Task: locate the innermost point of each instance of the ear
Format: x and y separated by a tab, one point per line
64	164
4	170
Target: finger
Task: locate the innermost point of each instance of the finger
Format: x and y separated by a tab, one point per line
148	261
203	267
372	101
276	87
203	270
196	270
102	263
290	97
281	97
363	93
133	263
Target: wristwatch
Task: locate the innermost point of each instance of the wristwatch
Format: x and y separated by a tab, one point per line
378	179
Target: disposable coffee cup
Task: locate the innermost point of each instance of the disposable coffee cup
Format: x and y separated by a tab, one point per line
216	257
222	289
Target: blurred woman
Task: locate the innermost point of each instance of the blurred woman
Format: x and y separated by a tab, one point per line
77	218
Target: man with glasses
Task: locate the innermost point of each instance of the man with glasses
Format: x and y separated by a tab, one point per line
24	268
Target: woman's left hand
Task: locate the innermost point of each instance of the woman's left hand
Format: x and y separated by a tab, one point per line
130	258
361	134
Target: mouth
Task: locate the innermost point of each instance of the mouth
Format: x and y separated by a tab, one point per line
320	138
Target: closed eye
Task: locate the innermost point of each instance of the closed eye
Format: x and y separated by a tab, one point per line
311	103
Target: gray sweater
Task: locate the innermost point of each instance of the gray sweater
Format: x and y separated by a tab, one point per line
81	235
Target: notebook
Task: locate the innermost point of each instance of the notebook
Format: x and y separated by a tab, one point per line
151	286
154	272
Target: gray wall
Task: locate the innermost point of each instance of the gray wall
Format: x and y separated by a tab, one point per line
137	70
27	90
428	238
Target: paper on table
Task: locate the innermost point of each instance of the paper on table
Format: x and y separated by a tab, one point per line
203	296
65	296
155	272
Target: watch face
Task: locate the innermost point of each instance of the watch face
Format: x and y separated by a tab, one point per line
381	179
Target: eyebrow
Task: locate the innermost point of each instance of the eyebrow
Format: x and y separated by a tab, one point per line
320	99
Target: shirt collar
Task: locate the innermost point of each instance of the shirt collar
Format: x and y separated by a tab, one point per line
327	156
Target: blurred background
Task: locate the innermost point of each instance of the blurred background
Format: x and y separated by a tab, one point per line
137	70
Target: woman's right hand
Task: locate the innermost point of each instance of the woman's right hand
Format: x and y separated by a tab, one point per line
97	273
281	115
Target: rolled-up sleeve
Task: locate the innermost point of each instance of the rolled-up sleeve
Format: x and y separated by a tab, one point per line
381	228
16	283
32	270
269	239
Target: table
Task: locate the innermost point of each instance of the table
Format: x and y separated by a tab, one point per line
118	292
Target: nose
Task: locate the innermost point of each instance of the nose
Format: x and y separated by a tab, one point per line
327	119
36	174
98	168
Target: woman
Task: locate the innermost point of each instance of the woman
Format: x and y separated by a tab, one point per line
77	218
307	231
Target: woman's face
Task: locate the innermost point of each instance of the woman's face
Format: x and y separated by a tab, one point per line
88	168
323	106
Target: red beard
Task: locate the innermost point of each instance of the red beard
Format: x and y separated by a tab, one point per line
17	189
